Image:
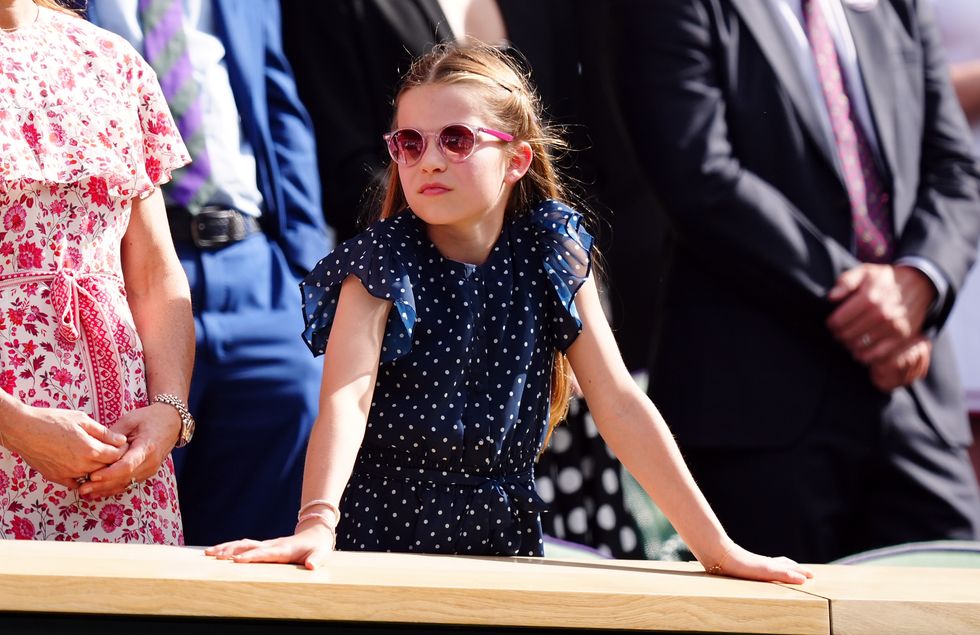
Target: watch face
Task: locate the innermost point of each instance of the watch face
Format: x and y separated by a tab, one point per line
187	431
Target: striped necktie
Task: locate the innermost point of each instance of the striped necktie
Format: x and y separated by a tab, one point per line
870	203
165	49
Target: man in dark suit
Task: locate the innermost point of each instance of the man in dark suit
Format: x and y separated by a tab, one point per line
818	176
245	239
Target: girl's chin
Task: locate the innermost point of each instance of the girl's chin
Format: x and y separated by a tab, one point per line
432	207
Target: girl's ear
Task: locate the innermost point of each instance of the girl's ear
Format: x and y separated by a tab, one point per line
520	162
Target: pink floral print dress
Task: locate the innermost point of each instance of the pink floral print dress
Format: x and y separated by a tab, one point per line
84	129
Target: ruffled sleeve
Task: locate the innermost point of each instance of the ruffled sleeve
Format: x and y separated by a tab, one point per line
103	118
566	252
375	258
163	149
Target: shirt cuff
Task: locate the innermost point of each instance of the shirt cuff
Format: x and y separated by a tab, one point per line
936	277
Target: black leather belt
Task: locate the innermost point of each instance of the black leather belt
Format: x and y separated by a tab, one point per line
212	227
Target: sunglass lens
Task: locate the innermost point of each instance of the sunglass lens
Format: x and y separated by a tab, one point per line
457	142
406	146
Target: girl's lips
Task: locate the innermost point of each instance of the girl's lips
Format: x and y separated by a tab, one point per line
433	189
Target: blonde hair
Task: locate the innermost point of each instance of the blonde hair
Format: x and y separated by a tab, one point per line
513	106
55	5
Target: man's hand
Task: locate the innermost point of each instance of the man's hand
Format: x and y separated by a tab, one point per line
908	365
882	310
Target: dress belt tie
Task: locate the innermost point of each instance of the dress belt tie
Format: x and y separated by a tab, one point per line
81	303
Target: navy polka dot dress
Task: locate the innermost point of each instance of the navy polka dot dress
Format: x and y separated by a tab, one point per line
461	404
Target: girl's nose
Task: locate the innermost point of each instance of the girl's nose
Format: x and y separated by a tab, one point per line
432	159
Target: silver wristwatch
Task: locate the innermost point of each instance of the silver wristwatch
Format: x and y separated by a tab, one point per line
186	420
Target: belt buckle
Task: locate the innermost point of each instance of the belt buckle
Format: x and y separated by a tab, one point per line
217	240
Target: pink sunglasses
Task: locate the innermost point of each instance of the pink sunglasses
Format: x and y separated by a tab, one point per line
456	142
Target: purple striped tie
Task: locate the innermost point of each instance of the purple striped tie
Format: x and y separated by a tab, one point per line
870	209
165	49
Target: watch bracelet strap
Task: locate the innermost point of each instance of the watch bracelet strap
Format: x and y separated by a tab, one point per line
177	404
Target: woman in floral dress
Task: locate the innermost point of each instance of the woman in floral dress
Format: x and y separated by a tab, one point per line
95	317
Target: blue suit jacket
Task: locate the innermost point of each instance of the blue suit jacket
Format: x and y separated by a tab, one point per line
276	125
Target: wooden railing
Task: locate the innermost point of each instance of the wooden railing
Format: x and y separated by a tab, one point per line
113	588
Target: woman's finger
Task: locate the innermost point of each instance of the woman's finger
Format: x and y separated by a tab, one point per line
130	465
107	490
118	477
107	454
69	483
101	433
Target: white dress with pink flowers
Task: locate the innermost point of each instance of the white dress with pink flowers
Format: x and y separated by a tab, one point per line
84	129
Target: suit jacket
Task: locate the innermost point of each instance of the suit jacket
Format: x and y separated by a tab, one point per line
761	218
276	125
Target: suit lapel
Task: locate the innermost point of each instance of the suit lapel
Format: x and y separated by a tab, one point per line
763	23
873	42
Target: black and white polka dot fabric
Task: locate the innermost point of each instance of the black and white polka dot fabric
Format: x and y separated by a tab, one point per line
461	403
580	480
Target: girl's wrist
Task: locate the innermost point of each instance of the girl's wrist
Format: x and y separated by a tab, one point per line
317	526
327	510
319	518
715	562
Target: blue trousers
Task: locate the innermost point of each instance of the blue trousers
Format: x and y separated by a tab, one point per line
254	394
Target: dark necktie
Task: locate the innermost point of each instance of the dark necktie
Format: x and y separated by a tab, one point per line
165	49
870	209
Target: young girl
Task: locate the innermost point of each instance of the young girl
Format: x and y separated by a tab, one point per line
445	328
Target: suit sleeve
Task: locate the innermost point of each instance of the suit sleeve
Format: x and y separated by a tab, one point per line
944	226
305	237
735	223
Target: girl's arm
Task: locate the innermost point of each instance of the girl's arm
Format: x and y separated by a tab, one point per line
634	429
350	369
160	301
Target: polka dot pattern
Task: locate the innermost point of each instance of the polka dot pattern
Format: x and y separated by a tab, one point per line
461	403
579	477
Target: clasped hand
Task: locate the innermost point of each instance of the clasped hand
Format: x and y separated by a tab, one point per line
64	445
879	320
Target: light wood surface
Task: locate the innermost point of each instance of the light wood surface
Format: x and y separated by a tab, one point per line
869	600
533	592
